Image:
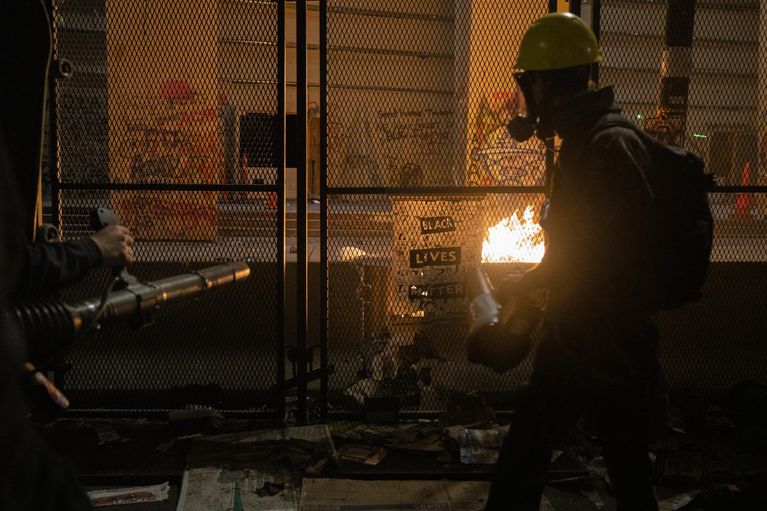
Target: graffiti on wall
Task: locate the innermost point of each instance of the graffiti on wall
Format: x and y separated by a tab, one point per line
397	147
412	146
666	127
494	157
435	242
170	137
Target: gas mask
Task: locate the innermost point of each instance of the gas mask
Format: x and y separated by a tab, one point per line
533	121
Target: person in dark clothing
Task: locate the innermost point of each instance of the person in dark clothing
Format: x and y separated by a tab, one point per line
51	266
25	60
598	357
32	476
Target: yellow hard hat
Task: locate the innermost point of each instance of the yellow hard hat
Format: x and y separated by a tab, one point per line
556	41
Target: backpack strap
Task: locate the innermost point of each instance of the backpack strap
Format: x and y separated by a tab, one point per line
652	144
614	120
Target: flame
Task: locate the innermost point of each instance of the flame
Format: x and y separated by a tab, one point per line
514	240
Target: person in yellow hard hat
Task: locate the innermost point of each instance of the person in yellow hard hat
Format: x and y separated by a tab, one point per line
597	357
554	60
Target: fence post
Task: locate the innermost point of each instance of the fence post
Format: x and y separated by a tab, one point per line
302	262
281	234
670	122
323	177
761	171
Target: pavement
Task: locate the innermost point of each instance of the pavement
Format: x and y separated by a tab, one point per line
711	459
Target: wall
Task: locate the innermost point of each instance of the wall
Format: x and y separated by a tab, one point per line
390	93
724	80
487	95
369	52
163	102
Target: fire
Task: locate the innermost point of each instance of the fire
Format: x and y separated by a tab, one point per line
514	240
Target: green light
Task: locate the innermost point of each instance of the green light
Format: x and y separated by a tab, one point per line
698	135
639	116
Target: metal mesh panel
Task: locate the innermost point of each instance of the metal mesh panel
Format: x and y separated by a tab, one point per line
384	129
407	84
398	298
715	343
418	95
169	119
723	123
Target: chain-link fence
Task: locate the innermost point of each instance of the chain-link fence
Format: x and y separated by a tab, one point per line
422	176
419	166
713	344
170	119
173	118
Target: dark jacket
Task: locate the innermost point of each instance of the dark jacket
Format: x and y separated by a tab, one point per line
601	336
50	267
32	476
598	227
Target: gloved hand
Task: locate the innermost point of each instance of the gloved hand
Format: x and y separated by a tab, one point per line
497	349
116	245
511	285
525	284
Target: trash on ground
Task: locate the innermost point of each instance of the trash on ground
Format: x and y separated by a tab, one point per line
270	489
680	465
206	488
359	453
133	495
677	501
480	446
106	433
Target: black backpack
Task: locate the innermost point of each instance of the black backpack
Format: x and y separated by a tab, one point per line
684	227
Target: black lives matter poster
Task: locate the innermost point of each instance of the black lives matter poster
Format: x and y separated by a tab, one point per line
435	243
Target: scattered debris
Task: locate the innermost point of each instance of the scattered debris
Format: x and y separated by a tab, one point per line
359	453
481	445
396	369
206	488
546	505
677	501
166	446
346	494
134	495
363	389
270	489
466	409
680	465
598	469
195	420
107	434
422	438
284	455
594	496
419	437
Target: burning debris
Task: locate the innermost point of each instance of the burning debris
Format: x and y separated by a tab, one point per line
514	239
